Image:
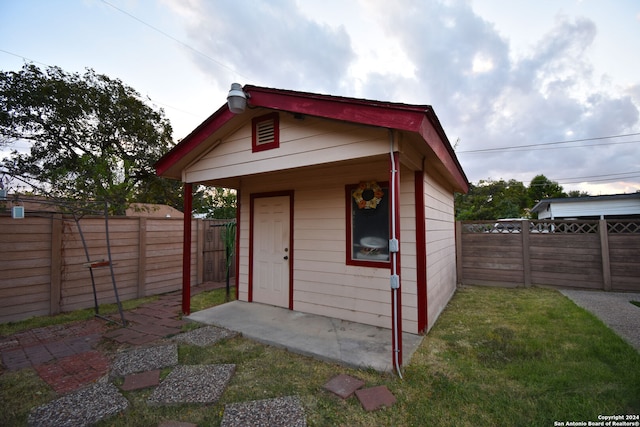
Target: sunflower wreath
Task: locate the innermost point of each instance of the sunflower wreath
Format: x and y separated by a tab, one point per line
368	195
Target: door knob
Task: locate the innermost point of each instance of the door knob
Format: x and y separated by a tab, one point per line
286	257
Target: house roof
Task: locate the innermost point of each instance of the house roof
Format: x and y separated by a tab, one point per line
544	203
418	119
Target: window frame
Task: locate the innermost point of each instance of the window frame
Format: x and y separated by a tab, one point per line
255	147
350	260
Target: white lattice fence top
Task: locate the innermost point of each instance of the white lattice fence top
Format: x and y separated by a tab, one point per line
551	226
565	227
615	227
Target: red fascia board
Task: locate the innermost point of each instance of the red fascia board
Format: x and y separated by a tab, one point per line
195	138
374	113
434	136
413	118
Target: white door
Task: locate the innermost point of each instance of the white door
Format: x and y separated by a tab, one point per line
271	250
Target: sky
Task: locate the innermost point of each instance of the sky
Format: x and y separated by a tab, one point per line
521	87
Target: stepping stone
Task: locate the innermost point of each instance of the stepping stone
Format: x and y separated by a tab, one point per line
375	397
343	385
279	412
141	380
144	359
82	408
203	337
193	384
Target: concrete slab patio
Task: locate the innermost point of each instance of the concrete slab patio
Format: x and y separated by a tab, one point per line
333	340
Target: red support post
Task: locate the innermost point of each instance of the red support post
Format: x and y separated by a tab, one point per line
186	250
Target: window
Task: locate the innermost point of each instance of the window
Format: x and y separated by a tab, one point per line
265	133
368	224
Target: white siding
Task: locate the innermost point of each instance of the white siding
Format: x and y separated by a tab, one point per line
323	283
408	273
441	247
306	142
592	208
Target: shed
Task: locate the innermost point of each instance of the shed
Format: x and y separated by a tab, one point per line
345	206
610	206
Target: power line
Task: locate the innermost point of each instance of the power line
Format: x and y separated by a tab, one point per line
577	180
568	148
589	178
24	58
176	40
600	176
546	144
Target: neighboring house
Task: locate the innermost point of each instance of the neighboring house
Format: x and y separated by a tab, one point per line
153	210
345	205
613	206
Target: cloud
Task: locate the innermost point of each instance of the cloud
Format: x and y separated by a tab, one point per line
492	97
268	42
484	93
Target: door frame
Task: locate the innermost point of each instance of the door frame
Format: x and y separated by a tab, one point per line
253	197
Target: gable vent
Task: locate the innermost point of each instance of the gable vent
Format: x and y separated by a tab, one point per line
265	132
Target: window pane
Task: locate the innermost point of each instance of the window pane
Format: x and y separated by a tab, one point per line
370	222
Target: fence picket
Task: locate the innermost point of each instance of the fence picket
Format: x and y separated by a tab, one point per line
42	263
602	254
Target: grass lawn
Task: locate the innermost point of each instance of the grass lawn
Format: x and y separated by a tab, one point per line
496	357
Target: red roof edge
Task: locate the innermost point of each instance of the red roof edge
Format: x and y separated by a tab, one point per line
375	113
191	141
460	177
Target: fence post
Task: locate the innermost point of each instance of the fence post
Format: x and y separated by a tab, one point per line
458	252
526	257
604	248
55	291
142	257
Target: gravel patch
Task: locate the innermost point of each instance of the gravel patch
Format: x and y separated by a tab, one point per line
193	384
81	408
144	359
206	336
279	412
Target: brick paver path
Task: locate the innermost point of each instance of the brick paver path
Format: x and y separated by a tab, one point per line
67	357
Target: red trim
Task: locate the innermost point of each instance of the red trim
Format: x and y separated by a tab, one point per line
186	250
238	210
418	119
375	113
349	239
255	147
252	197
398	312
194	139
421	252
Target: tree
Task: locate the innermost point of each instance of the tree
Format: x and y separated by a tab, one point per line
92	137
492	200
542	187
577	193
218	203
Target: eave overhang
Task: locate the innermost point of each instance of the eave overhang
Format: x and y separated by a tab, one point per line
419	119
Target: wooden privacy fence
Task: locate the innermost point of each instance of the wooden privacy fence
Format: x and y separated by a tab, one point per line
602	254
43	266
